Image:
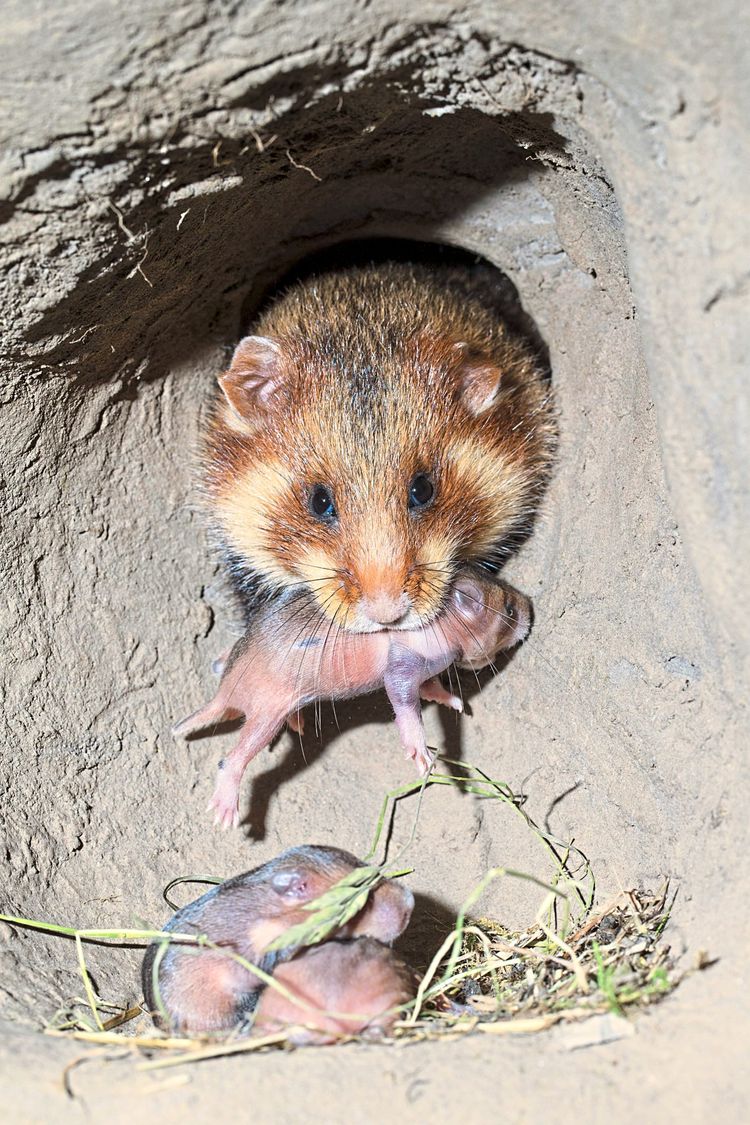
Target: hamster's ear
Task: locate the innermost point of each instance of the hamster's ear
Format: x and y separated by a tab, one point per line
291	884
479	379
255	377
468	598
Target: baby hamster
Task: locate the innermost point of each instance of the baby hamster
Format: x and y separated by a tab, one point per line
291	656
382	430
202	990
345	988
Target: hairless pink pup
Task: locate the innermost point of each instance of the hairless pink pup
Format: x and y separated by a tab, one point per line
291	656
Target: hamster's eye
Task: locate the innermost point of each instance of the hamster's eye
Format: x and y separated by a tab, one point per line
421	491
510	609
321	503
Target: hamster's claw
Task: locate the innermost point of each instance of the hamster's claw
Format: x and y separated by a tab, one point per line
295	720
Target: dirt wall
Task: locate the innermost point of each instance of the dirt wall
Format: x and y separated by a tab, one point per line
160	167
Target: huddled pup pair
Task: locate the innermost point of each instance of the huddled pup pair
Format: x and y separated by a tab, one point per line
350	984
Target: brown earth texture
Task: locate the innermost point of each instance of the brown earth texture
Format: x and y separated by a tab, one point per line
161	165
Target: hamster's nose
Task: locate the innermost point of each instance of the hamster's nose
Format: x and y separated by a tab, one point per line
385	609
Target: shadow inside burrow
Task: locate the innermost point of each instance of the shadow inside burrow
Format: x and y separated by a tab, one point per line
430	924
201	221
325	724
488	282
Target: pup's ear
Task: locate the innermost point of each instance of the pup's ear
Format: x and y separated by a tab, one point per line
254	382
479	378
468	598
291	884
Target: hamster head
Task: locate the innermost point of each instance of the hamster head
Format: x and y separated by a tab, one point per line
369	456
386	913
496	616
302	874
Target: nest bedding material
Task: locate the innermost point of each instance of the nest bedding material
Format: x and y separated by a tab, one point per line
571	963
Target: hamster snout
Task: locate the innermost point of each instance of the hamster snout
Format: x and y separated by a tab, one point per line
382	608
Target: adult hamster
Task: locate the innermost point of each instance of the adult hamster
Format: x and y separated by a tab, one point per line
381	430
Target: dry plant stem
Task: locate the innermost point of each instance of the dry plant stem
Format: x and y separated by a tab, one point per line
495	873
454	939
558	941
218	1051
162	1007
87	982
484	786
147	1042
506	795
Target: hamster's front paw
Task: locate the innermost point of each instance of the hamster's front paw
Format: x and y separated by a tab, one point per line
295	720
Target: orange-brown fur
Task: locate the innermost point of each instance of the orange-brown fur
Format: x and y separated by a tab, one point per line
384	372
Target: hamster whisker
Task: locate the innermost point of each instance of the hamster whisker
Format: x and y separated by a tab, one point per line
456	616
439	590
316	610
322	654
434	625
300	605
331	571
314	613
282	624
439	566
342	650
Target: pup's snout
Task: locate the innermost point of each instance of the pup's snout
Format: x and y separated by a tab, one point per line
518	619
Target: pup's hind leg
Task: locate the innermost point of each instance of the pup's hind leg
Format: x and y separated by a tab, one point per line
401	680
433	691
209	715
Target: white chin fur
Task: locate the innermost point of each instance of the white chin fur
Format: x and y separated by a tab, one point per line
358	623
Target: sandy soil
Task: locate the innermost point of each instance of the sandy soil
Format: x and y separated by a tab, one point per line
595	159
